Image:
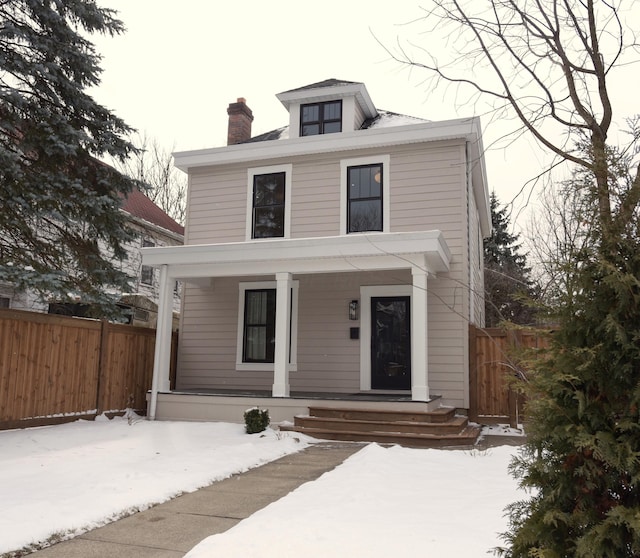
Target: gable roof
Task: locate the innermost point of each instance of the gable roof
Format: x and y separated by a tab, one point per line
139	205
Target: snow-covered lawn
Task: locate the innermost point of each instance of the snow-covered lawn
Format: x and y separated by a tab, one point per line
381	502
70	478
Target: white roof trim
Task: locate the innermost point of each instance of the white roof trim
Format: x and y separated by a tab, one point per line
332	92
460	128
359	252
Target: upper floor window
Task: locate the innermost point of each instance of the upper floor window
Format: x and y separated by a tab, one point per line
364	186
268	202
268	205
321	118
364	198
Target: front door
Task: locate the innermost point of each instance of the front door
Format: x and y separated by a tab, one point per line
390	343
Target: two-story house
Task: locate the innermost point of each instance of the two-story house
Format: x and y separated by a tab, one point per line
338	258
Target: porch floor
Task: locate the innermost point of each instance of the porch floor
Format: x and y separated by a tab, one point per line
314	395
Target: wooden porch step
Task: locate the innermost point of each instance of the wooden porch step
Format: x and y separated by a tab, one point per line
466	438
424	429
455	425
440	415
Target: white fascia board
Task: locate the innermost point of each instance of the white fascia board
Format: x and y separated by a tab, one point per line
461	128
305	255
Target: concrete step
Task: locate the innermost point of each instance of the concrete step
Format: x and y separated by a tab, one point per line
455	425
466	438
427	429
440	415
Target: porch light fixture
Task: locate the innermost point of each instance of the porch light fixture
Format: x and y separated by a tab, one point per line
353	310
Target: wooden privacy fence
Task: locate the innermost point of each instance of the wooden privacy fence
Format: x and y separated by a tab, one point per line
55	368
491	368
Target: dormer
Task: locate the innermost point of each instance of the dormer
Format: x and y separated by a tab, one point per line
328	107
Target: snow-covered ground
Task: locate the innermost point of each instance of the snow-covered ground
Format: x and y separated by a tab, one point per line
383	502
69	478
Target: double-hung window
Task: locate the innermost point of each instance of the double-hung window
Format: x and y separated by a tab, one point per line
365	195
268	202
257	325
364	198
321	118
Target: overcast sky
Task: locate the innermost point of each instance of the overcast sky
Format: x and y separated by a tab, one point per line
180	64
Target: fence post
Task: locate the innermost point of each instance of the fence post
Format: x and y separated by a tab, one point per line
515	340
473	374
102	366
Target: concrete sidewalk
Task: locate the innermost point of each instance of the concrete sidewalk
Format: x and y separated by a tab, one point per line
171	529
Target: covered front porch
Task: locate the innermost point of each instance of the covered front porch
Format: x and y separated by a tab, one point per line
418	255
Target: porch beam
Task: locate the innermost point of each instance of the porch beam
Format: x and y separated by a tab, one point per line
162	354
419	348
281	352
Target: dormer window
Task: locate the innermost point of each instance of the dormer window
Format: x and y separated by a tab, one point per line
321	118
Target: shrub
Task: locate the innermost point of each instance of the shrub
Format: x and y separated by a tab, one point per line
256	420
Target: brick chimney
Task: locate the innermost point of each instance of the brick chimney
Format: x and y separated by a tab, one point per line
240	118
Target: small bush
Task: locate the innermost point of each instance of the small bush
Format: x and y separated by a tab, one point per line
256	420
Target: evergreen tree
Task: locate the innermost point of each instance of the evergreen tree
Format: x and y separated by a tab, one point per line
582	455
60	221
508	286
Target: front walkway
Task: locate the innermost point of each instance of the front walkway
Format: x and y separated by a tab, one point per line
171	529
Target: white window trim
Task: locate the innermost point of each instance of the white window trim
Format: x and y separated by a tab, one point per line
288	170
386	198
266	366
366	294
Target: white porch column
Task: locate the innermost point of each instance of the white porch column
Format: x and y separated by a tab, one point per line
419	349
162	355
283	319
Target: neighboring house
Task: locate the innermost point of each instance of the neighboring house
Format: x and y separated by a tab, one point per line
338	257
154	228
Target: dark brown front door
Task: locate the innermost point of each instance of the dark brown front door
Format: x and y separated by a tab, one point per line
390	343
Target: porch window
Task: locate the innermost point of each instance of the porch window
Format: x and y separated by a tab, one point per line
268	203
257	327
321	118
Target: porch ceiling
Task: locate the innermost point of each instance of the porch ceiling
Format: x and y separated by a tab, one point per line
363	252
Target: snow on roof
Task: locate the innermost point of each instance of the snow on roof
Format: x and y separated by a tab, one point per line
385	119
139	205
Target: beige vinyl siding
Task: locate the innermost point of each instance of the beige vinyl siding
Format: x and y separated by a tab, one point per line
359	117
315	197
217	206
